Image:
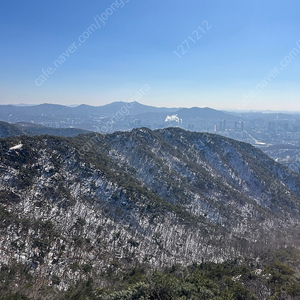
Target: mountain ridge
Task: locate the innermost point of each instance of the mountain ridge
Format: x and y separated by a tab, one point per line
25	128
205	112
134	108
160	197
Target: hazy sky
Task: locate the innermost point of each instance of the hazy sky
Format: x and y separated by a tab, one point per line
224	50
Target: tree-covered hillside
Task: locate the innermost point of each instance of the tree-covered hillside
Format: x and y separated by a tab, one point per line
94	206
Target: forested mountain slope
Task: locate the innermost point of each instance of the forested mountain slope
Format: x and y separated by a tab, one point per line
77	207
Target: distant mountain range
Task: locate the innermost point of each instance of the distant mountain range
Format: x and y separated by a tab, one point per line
108	118
204	113
133	108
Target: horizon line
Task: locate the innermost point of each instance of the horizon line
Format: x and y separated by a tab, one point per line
223	110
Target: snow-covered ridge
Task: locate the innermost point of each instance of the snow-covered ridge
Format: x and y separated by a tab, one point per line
161	197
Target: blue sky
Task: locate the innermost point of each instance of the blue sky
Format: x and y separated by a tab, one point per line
239	44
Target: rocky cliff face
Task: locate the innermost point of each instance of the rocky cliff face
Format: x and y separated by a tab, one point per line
73	207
